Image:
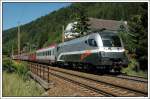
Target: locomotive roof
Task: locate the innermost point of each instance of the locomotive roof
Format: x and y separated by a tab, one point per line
102	33
76	40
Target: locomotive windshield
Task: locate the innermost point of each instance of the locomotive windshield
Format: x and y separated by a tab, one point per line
110	40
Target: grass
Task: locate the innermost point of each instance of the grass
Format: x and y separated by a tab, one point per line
16	81
14	85
133	70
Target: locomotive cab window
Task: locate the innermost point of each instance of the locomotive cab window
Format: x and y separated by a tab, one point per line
110	39
107	43
92	42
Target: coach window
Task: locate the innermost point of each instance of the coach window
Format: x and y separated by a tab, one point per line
51	52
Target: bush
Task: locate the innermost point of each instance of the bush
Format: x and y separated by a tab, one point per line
15	66
7	62
134	69
21	69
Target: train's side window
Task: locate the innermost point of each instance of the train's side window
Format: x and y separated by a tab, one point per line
53	52
86	42
92	42
58	49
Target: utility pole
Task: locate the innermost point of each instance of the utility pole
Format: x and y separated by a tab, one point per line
12	51
63	34
18	38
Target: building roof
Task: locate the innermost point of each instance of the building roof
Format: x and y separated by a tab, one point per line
96	24
107	24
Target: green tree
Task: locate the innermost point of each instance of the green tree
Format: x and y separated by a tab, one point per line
139	39
82	27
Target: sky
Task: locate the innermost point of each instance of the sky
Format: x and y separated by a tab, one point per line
22	13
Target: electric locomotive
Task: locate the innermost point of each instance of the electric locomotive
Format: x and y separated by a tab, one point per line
100	50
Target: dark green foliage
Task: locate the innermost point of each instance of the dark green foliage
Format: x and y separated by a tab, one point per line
7	65
136	39
139	29
81	18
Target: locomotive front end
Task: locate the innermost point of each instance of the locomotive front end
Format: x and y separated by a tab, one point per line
112	52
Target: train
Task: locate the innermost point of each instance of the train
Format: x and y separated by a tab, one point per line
99	50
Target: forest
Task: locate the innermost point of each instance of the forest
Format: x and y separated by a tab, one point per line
47	29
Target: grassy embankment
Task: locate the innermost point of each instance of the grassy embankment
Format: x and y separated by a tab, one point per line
16	81
133	69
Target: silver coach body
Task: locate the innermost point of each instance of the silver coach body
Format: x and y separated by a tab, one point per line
46	54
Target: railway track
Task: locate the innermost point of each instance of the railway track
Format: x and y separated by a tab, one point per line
94	83
134	78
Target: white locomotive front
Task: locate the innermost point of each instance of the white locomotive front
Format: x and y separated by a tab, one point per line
112	52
